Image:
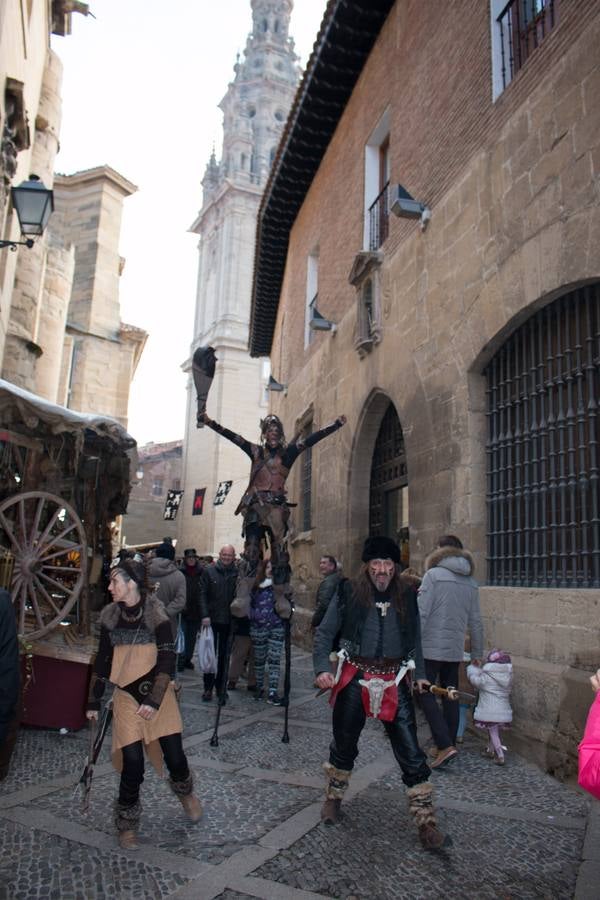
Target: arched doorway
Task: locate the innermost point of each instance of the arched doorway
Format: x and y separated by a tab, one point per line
388	489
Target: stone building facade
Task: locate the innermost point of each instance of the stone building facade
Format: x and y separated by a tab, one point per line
465	352
61	334
255	108
159	471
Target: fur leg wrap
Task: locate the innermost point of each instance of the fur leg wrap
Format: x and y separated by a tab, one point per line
420	804
182	788
127	818
337	781
283	606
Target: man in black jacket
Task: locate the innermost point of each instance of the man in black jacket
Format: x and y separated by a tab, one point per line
378	619
217	590
9	681
191	615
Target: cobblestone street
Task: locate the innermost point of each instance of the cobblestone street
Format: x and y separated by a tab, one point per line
516	832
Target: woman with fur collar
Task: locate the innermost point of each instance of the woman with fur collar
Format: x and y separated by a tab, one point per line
449	608
137	654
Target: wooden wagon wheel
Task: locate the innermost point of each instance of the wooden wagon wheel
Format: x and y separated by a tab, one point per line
48	542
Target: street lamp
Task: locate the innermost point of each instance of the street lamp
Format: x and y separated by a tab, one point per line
33	203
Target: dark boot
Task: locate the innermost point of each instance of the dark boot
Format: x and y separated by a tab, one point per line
337	785
420	804
127	820
184	791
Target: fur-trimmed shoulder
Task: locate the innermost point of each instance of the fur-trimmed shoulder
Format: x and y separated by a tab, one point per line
435	558
110	616
410	578
154	614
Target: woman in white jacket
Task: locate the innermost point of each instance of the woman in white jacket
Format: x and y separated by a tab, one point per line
493	710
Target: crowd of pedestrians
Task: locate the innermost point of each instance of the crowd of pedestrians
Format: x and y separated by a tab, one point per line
395	639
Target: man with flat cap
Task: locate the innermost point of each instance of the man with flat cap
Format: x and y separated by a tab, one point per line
378	619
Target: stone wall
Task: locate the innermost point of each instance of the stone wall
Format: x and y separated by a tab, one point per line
512	187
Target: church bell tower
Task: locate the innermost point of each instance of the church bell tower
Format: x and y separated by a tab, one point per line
255	108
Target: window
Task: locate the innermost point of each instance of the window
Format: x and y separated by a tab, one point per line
312	291
157	487
377	180
176	484
543	453
518	28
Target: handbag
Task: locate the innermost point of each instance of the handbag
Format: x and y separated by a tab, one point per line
589	752
205	651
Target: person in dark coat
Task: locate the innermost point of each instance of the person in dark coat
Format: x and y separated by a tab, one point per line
191	615
217	590
9	681
378	619
328	570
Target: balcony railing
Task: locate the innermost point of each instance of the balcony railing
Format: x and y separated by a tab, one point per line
523	25
379	218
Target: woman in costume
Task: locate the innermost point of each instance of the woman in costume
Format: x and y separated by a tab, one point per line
137	654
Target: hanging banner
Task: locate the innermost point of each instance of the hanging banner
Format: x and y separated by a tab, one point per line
172	504
222	491
198	507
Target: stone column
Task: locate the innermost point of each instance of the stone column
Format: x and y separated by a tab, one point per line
58	282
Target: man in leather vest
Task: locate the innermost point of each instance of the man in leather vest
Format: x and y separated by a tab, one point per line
377	617
264	505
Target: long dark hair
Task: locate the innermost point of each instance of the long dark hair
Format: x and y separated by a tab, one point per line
363	589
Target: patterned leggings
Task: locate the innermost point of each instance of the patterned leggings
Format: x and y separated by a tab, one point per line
268	644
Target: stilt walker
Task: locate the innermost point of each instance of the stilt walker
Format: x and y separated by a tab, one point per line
222	697
287	679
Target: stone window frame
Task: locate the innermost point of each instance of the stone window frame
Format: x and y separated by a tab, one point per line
366	274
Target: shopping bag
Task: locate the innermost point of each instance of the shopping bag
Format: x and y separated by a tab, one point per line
205	651
179	639
589	752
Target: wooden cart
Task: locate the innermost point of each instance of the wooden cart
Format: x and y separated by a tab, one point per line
64	479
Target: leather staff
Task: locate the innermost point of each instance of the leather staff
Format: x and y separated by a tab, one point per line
448	693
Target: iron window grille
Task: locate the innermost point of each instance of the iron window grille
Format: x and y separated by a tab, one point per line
523	25
379	218
543	389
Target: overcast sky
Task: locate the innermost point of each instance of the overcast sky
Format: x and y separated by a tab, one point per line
141	84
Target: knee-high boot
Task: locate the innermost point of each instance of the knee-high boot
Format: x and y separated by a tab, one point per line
127	820
337	785
420	805
184	791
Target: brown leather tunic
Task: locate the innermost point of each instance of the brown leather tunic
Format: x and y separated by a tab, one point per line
268	474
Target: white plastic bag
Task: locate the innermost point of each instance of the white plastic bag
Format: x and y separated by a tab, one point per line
205	651
179	639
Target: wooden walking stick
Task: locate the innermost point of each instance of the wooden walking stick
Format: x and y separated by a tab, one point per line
287	679
222	698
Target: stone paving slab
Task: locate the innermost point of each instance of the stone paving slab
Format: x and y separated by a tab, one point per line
237	811
518	783
259	745
375	855
35	864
